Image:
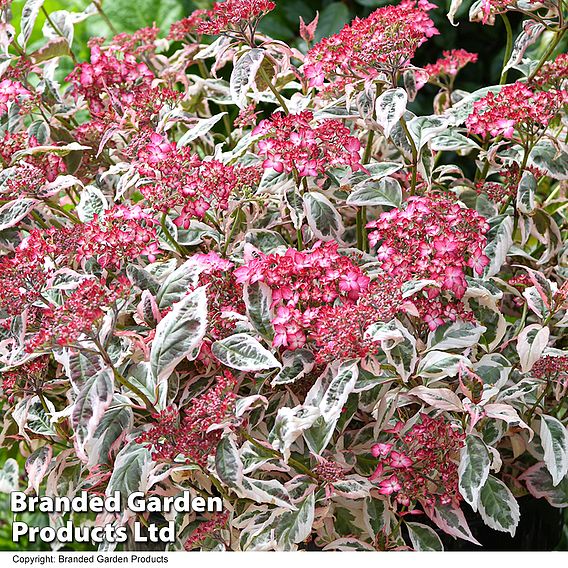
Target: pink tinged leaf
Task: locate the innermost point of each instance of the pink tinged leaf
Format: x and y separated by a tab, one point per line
14	211
37	465
540	485
452	521
307	31
508	414
91	403
439	398
531	343
540	282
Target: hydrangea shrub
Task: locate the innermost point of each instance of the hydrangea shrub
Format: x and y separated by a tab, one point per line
241	269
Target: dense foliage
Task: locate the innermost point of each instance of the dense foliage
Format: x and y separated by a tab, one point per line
242	266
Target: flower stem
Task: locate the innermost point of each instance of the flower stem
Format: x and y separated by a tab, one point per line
508	49
169	236
294	463
414	150
58	32
278	96
552	46
99	7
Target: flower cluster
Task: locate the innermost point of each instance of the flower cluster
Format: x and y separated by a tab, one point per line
194	435
449	64
554	369
181	29
420	464
206	529
9	92
432	238
35	171
384	42
108	82
502	191
225	293
339	331
119	234
302	282
234	16
515	107
28	373
23	274
140	42
292	144
553	73
329	471
177	178
62	325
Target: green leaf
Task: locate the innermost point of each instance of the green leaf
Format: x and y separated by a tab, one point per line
266	241
140	376
528	36
539	483
554	438
499	241
244	74
56	150
258	301
423	537
295	526
9	476
142	278
39	130
451	142
390	106
115	423
91	404
457	335
439	398
323	218
289	425
552	160
201	128
91	203
177	284
374	515
295	365
474	469
130	470
424	128
531	343
498	507
228	464
398	344
376	171
319	435
13	212
452	521
386	191
28	19
438	364
179	333
243	352
37	466
526	192
340	387
265	491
